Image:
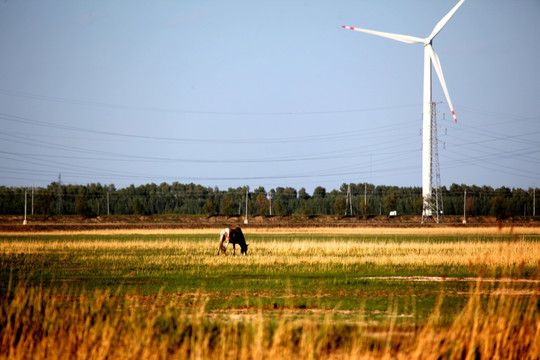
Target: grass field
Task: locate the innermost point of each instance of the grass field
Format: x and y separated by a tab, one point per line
313	293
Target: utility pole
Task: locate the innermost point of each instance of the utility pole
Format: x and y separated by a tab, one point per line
32	199
534	200
465	207
108	208
247	194
25	203
365	194
270	205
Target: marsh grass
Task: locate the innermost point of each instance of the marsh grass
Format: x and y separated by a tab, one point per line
325	271
36	323
309	295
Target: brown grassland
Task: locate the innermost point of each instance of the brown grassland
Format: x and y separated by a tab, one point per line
499	316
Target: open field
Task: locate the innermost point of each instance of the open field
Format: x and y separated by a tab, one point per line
308	292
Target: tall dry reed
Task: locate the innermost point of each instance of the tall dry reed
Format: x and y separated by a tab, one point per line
497	322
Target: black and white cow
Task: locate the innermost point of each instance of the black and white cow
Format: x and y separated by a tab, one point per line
232	236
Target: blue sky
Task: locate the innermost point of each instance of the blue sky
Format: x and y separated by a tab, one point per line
264	93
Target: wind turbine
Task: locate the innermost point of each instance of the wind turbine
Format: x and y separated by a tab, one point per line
430	58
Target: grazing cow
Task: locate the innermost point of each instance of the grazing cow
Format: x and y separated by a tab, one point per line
232	236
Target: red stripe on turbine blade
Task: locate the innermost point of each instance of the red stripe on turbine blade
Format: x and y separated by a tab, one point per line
454	115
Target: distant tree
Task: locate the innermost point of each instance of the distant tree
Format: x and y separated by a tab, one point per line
259	191
302	194
390	202
498	207
82	207
262	205
364	208
289	193
418	203
469	205
286	198
305	211
209	207
227	205
45	202
138	207
319	192
340	206
251	206
278	208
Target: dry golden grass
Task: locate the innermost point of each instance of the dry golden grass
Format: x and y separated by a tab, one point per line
304	251
34	324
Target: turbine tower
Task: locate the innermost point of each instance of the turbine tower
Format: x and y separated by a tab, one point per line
430	58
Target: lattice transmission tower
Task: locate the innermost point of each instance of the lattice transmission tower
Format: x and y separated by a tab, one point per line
434	207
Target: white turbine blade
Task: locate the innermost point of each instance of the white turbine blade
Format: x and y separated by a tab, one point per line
403	38
444	20
438	69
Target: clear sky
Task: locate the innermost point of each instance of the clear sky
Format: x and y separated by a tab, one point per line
264	93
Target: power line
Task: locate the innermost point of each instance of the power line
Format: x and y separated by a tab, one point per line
71	101
294	139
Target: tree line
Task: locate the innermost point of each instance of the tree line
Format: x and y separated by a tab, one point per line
360	199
